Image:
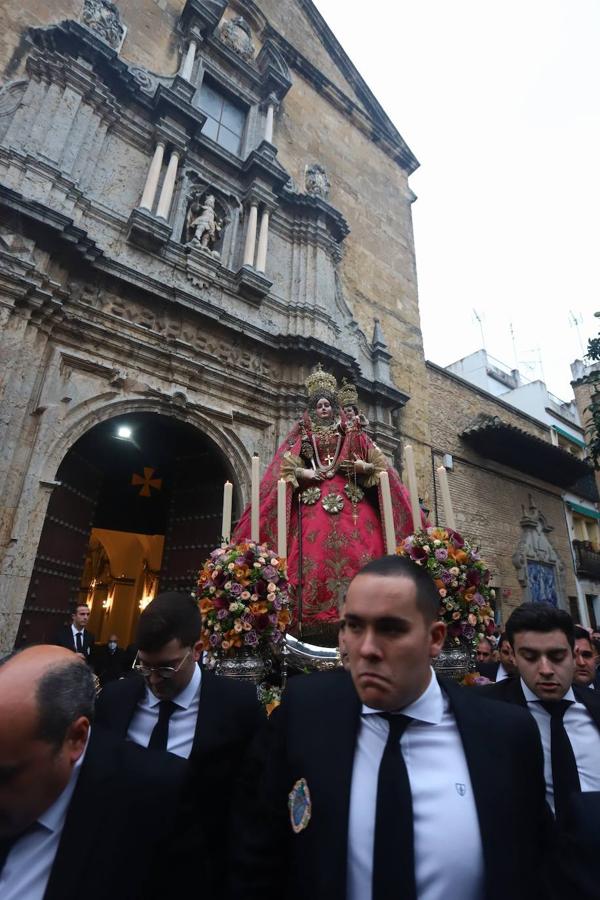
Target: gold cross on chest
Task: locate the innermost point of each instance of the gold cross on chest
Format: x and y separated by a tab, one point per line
329	459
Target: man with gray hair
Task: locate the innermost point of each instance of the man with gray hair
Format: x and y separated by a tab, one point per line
73	802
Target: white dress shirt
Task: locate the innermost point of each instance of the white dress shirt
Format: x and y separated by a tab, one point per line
501	674
76	631
448	850
28	865
182	724
582	733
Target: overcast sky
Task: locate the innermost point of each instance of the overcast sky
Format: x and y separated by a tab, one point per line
500	103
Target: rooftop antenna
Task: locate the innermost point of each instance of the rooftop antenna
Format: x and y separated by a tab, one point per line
478	317
575	320
514	345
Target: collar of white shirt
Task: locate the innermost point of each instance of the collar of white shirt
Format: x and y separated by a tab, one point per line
77	631
53	818
184	698
533	698
429	707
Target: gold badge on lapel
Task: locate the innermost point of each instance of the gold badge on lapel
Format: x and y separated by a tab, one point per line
299	806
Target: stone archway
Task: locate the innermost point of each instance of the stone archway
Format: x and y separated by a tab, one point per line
140	474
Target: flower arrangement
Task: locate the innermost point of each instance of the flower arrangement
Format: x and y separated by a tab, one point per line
462	579
244	602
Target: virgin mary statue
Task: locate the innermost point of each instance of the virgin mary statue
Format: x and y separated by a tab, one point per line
334	521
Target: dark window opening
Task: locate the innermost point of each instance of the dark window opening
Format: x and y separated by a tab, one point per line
225	119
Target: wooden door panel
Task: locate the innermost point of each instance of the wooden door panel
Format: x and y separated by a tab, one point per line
58	566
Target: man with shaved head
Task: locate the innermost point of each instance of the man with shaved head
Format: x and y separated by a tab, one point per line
76	800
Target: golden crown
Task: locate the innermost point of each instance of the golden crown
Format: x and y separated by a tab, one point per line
347	394
318	380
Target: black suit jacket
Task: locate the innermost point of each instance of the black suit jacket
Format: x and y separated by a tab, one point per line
313	736
64	638
228	718
509	690
578	860
128	834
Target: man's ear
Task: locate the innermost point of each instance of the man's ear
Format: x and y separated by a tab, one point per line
76	737
437	633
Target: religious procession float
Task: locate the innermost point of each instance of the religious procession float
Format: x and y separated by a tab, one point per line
327	504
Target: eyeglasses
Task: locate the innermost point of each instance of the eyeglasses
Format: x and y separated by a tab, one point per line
161	671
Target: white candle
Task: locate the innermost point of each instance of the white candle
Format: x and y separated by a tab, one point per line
450	521
226	523
255	501
281	519
411	472
388	516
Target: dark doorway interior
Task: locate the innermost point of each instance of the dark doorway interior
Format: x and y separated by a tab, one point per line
143	473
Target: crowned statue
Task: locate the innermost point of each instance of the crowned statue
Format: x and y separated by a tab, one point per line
334	504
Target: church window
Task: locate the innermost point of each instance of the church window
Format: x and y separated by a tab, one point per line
225	119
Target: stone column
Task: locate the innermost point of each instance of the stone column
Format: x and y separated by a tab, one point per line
188	63
166	194
263	238
250	244
269	123
147	201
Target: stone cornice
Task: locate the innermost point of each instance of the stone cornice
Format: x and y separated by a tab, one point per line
376	125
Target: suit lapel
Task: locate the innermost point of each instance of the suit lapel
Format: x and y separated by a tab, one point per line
210	715
591	703
481	774
85	822
334	747
126	703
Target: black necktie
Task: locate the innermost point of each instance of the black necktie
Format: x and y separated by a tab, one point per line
160	732
565	777
393	852
78	642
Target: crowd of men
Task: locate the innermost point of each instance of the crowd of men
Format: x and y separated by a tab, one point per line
374	782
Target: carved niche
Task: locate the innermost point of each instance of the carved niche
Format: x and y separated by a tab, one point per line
540	570
103	18
316	182
205	221
236	33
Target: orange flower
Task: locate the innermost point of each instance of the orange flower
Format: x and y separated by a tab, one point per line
461	557
259	607
271	706
206	605
284	617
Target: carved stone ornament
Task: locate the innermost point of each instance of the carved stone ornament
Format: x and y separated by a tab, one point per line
237	35
11	97
316	182
203	225
144	78
102	17
540	570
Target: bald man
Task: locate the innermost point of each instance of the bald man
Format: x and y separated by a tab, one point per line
82	814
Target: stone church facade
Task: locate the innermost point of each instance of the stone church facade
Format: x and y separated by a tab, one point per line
199	201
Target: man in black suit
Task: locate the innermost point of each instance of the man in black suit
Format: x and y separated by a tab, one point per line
381	783
75	636
568	721
586	673
172	704
110	661
505	667
82	813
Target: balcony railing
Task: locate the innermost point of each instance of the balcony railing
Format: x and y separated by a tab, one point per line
587	560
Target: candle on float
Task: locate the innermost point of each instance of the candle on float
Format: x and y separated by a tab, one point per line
388	516
281	519
411	472
227	503
450	521
255	501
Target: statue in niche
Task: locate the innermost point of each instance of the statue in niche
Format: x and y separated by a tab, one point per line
102	17
237	35
203	227
316	182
